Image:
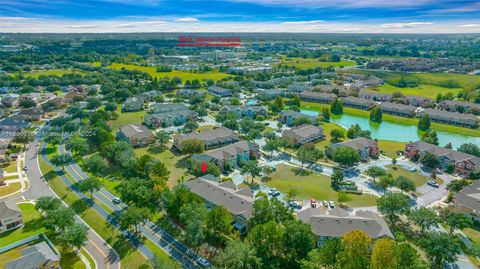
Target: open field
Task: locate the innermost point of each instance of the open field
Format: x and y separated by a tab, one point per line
417	177
126	118
308	63
184	75
390	148
53	72
425	90
312	186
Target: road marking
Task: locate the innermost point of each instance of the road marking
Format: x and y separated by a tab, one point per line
100	250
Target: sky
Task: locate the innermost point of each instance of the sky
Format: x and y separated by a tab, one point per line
315	16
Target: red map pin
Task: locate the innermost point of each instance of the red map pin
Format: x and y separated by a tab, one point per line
204	167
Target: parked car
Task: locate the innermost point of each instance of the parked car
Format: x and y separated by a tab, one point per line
203	262
295	204
273	192
413	169
331	204
317	168
325	203
116	200
433	183
313	203
25	168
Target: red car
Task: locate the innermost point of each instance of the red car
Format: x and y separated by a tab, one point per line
313	203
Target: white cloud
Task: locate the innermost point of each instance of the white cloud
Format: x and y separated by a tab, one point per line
187	19
405	25
302	22
88	26
473	25
317	4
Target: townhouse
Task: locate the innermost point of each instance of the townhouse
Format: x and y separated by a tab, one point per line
10	216
317	97
419	101
269	94
398	109
167	119
239	202
366	148
168	107
135	134
220	92
302	134
459	106
464	163
245	111
467	200
229	156
357	102
379	97
452	118
214	138
289	116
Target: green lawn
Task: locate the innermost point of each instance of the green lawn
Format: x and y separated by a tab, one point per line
32	226
10	188
184	75
390	148
313	186
126	118
10	167
56	72
170	160
391	118
417	177
425	90
308	63
327	128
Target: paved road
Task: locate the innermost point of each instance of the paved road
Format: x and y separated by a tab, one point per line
101	252
160	237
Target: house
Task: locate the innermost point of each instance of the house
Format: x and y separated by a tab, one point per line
10	100
11	125
10	216
32	114
164	108
464	163
317	97
366	148
269	94
245	111
420	101
372	81
220	92
289	116
134	103
189	92
39	256
452	118
167	119
357	102
302	134
379	97
334	223
298	87
135	134
459	106
74	97
239	202
149	96
217	137
467	200
229	156
398	109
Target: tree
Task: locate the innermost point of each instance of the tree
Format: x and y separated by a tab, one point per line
356	131
385	182
267	171
346	156
384	254
455	220
355	253
139	192
424	217
196	170
337	134
301	120
27	103
47	203
96	164
392	205
251	168
291	194
90	185
407	257
161	263
238	254
62	160
190	126
337	178
440	248
324	257
430	137
278	104
133	216
457	185
424	122
111	106
394	162
57	220
23	138
219	222
405	184
271	145
308	153
120	153
325	114
193	215
343	197
298	241
375	171
336	107
162	137
268	241
429	160
376	114
77	145
192	145
74	236
470	148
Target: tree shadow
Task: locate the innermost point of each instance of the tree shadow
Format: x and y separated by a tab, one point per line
69	260
81	205
49	176
33	225
156	149
300	172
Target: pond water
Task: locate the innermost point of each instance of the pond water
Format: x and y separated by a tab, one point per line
395	131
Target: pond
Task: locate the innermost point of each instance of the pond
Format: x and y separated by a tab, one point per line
395	131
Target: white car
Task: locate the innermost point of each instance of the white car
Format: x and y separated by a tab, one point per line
116	200
331	204
413	169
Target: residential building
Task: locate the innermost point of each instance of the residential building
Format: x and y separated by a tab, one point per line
214	138
334	223
289	116
379	97
269	94
10	100
239	202
134	103
135	134
10	216
149	96
220	92
229	156
302	134
366	148
298	87
74	96
464	163
169	107
417	101
32	114
459	106
167	119
398	109
467	200
357	102
189	92
245	111
452	118
317	97
39	256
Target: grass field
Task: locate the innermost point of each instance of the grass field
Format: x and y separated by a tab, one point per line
126	118
10	167
327	128
31	219
184	75
417	177
10	188
308	63
425	90
53	72
390	148
312	186
401	120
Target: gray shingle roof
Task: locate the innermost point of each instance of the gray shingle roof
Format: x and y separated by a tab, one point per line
8	209
135	130
304	131
34	257
216	135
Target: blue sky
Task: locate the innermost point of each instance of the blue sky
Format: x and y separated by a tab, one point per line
389	16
